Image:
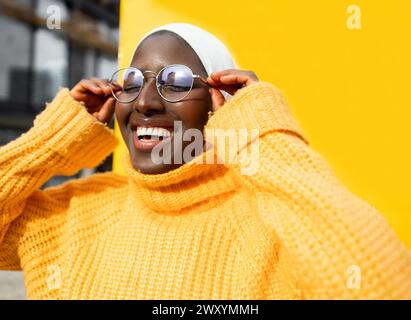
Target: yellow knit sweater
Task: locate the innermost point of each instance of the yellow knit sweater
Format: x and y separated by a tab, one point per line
289	231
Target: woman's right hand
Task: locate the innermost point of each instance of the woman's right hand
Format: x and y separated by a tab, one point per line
96	95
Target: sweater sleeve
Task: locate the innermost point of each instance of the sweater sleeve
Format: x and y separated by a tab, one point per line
339	245
63	139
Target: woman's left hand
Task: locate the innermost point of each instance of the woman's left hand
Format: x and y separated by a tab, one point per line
229	80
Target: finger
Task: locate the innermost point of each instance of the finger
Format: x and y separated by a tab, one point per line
116	84
217	99
115	87
234	79
217	74
107	110
87	85
213	81
228	81
231	89
104	85
239	81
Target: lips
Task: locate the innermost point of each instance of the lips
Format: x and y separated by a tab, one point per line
151	123
149	132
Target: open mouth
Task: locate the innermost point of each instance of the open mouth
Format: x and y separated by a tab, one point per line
146	138
152	133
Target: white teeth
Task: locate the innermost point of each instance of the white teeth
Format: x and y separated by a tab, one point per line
153	131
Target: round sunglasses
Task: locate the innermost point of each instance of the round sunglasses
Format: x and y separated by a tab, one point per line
173	82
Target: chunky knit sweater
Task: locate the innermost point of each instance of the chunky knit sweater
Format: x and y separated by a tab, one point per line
289	230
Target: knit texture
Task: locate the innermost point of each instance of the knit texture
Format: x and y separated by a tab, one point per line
289	230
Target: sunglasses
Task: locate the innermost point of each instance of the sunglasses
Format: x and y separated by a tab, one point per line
173	82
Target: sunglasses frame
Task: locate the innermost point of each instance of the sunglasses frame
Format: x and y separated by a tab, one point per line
194	76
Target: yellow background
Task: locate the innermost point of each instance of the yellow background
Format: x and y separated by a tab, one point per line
349	89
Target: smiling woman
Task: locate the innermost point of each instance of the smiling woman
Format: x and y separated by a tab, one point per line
176	91
189	229
152	110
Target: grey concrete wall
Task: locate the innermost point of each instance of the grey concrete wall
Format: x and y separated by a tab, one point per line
12	285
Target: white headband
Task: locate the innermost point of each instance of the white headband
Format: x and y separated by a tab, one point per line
212	52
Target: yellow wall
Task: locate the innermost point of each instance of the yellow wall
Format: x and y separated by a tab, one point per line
349	89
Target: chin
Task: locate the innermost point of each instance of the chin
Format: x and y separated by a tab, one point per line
146	166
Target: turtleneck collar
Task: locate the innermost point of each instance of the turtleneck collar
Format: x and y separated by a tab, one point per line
192	183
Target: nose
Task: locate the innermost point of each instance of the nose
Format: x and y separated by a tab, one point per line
149	101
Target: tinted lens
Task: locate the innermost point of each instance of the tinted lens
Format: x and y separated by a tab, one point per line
131	79
175	82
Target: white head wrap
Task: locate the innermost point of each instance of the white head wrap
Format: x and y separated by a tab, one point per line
212	52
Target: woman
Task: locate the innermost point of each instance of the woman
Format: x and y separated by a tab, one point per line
187	228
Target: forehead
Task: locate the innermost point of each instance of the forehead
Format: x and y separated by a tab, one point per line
158	51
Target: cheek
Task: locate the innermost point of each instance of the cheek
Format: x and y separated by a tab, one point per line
121	113
194	114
